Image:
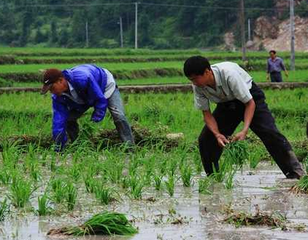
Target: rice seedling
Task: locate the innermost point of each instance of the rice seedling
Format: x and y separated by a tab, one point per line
173	164
125	182
35	172
237	153
106	223
170	184
136	186
224	168
205	184
5	176
59	190
186	175
104	194
157	181
4	209
74	172
228	182
43	205
20	192
90	183
70	196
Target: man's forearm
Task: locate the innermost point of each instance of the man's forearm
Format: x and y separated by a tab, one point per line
211	123
248	115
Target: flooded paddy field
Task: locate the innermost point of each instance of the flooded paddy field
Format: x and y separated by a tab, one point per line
188	214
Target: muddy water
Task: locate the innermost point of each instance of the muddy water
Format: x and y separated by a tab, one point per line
198	216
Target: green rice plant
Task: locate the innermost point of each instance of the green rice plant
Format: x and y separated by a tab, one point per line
136	187
35	172
205	184
59	190
173	164
43	205
224	168
170	184
70	196
105	223
255	157
4	209
186	175
125	182
74	172
158	181
228	182
20	192
163	166
90	183
104	194
5	176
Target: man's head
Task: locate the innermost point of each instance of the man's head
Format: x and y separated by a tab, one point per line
198	70
272	54
54	82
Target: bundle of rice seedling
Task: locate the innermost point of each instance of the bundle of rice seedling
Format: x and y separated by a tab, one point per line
106	223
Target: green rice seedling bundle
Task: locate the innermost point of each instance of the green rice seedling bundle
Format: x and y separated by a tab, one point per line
106	223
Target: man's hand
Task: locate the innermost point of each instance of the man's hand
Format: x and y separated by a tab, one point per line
240	136
267	77
222	140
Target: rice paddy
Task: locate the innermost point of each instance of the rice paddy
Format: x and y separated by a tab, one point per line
158	190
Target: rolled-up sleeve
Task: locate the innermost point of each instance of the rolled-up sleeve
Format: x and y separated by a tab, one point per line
239	87
201	101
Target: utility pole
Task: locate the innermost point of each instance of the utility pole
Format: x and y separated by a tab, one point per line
121	32
249	30
242	22
136	25
87	34
292	64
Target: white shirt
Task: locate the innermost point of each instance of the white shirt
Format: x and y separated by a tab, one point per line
232	82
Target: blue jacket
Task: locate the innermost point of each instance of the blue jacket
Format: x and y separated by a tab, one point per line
89	81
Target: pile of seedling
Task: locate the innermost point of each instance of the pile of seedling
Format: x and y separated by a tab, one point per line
106	223
273	220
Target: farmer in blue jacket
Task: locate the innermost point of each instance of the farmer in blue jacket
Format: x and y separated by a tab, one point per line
77	89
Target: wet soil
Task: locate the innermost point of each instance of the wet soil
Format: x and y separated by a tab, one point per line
187	215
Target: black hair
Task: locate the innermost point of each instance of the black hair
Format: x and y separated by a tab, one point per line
272	51
196	65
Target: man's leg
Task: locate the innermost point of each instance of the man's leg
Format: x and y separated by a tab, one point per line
116	109
228	116
263	125
72	127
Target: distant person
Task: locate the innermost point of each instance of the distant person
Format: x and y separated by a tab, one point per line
274	67
238	100
77	89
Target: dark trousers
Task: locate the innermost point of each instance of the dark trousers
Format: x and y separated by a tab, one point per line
116	109
276	77
228	115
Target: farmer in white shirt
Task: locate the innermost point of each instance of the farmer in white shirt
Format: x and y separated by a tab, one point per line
238	99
